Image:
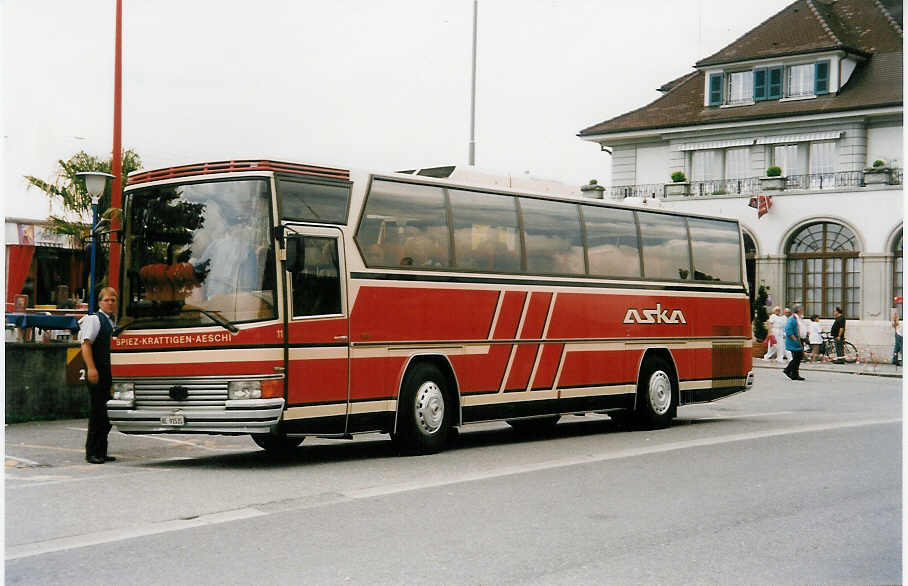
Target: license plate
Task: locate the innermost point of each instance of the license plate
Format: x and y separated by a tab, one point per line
173	420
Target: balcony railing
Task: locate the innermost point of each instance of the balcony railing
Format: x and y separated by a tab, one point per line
753	185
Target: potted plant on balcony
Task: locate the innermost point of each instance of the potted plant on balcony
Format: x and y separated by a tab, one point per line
773	179
879	174
592	190
679	184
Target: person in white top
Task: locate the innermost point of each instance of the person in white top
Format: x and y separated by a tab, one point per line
814	337
777	329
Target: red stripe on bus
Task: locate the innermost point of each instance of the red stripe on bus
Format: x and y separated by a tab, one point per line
164	369
521	368
593	368
548	366
313	381
394	313
509	315
481	372
536	314
375	377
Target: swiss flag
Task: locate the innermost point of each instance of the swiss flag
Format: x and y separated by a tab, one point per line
761	203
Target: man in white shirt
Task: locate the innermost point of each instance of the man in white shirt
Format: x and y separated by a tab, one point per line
95	333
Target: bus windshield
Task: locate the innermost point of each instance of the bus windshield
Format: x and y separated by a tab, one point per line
198	254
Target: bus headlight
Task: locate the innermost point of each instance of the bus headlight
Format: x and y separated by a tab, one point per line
124	391
244	389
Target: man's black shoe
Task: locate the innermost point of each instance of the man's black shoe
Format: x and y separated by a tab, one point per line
799	378
109	459
94	460
785	372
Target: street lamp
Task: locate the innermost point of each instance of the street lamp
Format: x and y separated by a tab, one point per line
95	182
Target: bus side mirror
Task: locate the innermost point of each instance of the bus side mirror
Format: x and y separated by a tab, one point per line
293	257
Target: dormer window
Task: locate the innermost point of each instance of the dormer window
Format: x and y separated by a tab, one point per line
800	81
735	88
740	87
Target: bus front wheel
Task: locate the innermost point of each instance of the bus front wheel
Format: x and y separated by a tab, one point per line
425	412
276	444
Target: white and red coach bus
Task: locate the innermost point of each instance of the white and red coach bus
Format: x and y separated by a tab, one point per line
283	300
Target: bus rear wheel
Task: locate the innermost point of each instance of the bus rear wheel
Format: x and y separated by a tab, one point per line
657	395
276	444
424	412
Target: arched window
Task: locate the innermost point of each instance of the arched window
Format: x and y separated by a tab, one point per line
897	271
823	270
750	263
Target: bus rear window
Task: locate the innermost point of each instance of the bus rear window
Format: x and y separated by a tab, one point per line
717	250
665	249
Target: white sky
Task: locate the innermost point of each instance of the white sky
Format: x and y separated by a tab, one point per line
348	83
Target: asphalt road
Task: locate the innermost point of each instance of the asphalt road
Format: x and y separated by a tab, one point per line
789	483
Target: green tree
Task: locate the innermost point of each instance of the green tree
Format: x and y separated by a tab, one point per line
762	315
70	190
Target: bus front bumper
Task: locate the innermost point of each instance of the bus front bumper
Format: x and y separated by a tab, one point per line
234	418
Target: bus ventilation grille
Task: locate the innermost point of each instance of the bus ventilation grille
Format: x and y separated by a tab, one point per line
237	166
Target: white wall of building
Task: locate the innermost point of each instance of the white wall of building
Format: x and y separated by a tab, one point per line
652	164
885	142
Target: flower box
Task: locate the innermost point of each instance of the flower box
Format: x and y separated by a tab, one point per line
677	188
878	176
772	183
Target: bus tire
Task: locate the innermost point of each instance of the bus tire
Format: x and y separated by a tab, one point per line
276	444
534	424
657	394
425	411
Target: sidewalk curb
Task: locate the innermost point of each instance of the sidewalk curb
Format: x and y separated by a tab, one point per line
848	370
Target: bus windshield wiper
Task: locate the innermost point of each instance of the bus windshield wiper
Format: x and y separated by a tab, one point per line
213	316
158	309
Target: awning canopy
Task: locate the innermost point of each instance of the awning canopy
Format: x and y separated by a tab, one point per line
713	144
808	137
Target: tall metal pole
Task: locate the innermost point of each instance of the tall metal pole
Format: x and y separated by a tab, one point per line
473	91
94	245
116	197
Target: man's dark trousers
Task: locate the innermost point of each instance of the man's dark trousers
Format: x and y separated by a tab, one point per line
98	422
794	365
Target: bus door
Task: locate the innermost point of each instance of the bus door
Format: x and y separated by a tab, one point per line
318	332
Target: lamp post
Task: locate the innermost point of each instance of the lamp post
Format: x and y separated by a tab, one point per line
95	182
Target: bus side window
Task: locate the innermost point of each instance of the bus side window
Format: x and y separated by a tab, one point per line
316	278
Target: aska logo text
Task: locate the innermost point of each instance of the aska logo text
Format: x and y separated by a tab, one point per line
654	316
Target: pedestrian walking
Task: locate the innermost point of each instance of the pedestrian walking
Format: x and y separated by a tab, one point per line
814	337
897	348
776	347
838	336
793	344
95	333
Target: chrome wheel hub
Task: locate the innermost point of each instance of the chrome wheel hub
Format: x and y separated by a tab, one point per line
660	392
430	408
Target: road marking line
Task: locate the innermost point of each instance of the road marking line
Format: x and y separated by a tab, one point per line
743	416
102	537
64	479
23	460
41	447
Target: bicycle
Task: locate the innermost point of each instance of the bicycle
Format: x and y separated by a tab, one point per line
827	349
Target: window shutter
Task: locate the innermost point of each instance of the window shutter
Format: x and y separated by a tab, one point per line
821	77
775	84
715	89
759	84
